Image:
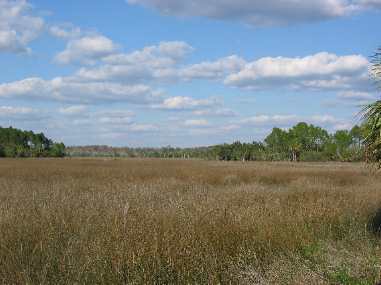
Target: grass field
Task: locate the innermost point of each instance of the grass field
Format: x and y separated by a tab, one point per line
93	221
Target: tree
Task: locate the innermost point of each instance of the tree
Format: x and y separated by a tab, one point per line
357	135
372	117
18	143
277	141
343	140
57	150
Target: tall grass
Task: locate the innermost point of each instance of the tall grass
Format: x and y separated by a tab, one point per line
92	221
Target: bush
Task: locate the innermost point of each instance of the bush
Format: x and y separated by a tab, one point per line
57	150
314	156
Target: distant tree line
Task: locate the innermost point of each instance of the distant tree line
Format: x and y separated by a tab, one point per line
144	152
302	142
18	143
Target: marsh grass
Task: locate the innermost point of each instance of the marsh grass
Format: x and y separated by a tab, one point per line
93	221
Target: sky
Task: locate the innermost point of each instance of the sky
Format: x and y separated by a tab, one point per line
184	73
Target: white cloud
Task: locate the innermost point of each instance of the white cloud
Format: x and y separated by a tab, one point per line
68	90
114	117
327	121
280	120
136	127
65	31
356	96
320	71
185	103
215	112
9	111
18	27
213	69
209	107
20	113
369	4
72	110
323	120
196	123
87	50
161	64
107	122
163	54
257	12
342	126
152	62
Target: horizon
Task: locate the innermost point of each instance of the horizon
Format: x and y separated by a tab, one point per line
232	141
150	73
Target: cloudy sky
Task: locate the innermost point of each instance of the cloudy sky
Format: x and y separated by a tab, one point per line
184	73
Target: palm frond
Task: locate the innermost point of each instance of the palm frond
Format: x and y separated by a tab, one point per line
372	118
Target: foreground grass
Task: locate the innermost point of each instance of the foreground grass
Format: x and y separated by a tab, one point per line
166	222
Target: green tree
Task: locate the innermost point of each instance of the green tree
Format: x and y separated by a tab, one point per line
2	154
57	150
277	140
372	117
357	135
18	143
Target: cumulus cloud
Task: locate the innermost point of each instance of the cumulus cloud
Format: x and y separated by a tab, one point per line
283	121
257	12
72	110
10	111
114	117
108	122
18	27
152	62
68	90
157	55
213	69
161	63
87	50
369	4
356	96
215	112
209	107
265	120
185	103
149	64
65	31
196	123
320	71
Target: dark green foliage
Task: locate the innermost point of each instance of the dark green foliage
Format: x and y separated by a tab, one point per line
372	118
57	150
311	143
18	143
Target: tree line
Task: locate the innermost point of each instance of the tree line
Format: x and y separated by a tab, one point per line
18	143
302	142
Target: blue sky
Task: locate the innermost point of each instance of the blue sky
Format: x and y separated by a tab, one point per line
184	73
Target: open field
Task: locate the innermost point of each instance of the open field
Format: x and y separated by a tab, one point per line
93	221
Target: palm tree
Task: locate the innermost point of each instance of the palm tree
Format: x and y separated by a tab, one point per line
372	117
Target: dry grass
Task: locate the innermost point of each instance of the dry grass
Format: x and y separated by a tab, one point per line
93	221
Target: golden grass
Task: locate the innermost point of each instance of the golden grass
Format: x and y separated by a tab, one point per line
94	221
